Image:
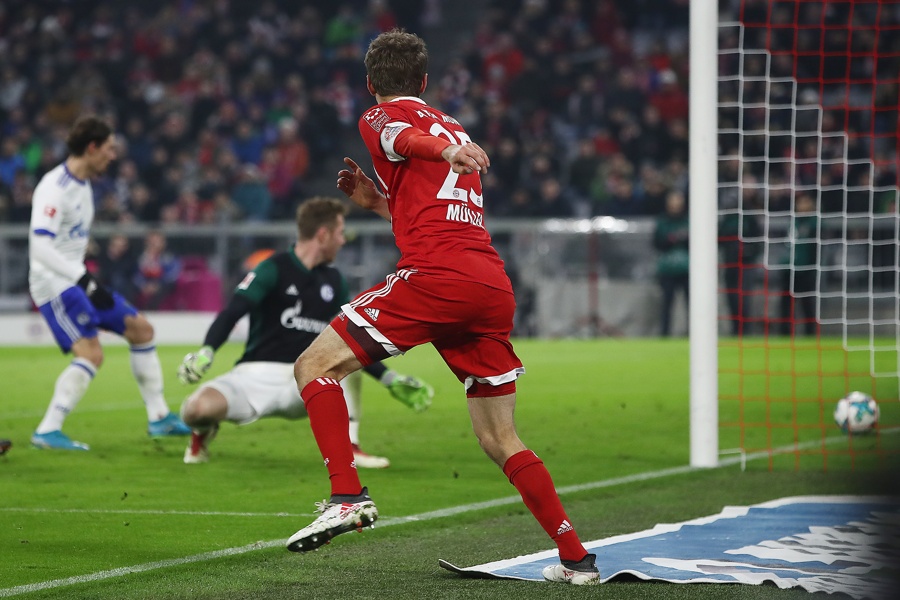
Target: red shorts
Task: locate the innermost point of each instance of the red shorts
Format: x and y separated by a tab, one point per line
467	322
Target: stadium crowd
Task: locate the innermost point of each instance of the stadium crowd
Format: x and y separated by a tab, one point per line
230	110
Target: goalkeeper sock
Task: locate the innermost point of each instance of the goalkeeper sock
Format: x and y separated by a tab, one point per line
328	419
71	385
529	475
352	386
148	373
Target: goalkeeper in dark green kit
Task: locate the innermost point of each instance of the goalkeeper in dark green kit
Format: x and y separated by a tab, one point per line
290	297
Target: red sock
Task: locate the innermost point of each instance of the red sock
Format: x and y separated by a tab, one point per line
330	424
529	475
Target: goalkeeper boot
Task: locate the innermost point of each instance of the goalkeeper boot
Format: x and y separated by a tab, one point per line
369	461
169	425
412	392
198	449
56	440
340	514
582	572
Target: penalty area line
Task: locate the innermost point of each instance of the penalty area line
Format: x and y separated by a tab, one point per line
390	521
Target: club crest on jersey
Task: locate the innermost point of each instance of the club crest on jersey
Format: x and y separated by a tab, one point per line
247	280
391	132
327	292
376	118
83	319
49	211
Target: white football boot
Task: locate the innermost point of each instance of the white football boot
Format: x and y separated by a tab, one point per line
583	572
339	515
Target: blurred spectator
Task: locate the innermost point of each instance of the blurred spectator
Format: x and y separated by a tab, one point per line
653	191
670	238
552	200
248	144
506	163
251	195
21	190
799	277
142	205
584	108
583	169
625	94
11	161
740	244
284	165
669	98
188	209
117	266
109	209
157	273
622	201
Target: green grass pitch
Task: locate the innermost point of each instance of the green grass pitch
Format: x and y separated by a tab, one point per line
594	410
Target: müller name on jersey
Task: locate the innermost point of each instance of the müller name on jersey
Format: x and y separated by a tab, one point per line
464	214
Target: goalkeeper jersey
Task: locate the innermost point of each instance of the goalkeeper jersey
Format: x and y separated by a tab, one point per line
62	209
291	306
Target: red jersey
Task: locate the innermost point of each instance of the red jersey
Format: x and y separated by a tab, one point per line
437	216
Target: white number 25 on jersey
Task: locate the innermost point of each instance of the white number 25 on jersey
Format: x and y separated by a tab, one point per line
448	190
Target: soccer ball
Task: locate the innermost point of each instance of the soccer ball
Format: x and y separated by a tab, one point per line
857	412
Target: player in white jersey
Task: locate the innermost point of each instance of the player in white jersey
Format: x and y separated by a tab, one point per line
73	302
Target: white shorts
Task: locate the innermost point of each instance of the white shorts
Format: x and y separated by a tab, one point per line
260	389
266	389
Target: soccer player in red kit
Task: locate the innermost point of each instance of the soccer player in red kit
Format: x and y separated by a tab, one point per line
450	289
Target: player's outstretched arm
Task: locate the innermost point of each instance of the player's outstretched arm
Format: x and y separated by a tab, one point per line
196	364
360	188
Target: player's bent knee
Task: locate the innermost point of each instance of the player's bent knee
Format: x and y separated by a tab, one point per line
89	350
138	330
203	407
300	372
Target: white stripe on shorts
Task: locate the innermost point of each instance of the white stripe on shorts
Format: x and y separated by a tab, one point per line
376	335
63	320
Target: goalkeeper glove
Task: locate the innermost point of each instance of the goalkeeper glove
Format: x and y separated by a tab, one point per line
99	296
411	391
195	365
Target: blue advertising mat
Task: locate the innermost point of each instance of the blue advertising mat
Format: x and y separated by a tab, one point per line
848	544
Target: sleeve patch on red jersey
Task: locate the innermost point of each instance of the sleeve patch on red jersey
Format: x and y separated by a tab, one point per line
376	118
49	211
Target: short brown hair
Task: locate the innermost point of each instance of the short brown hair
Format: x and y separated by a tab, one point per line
396	63
318	212
87	130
